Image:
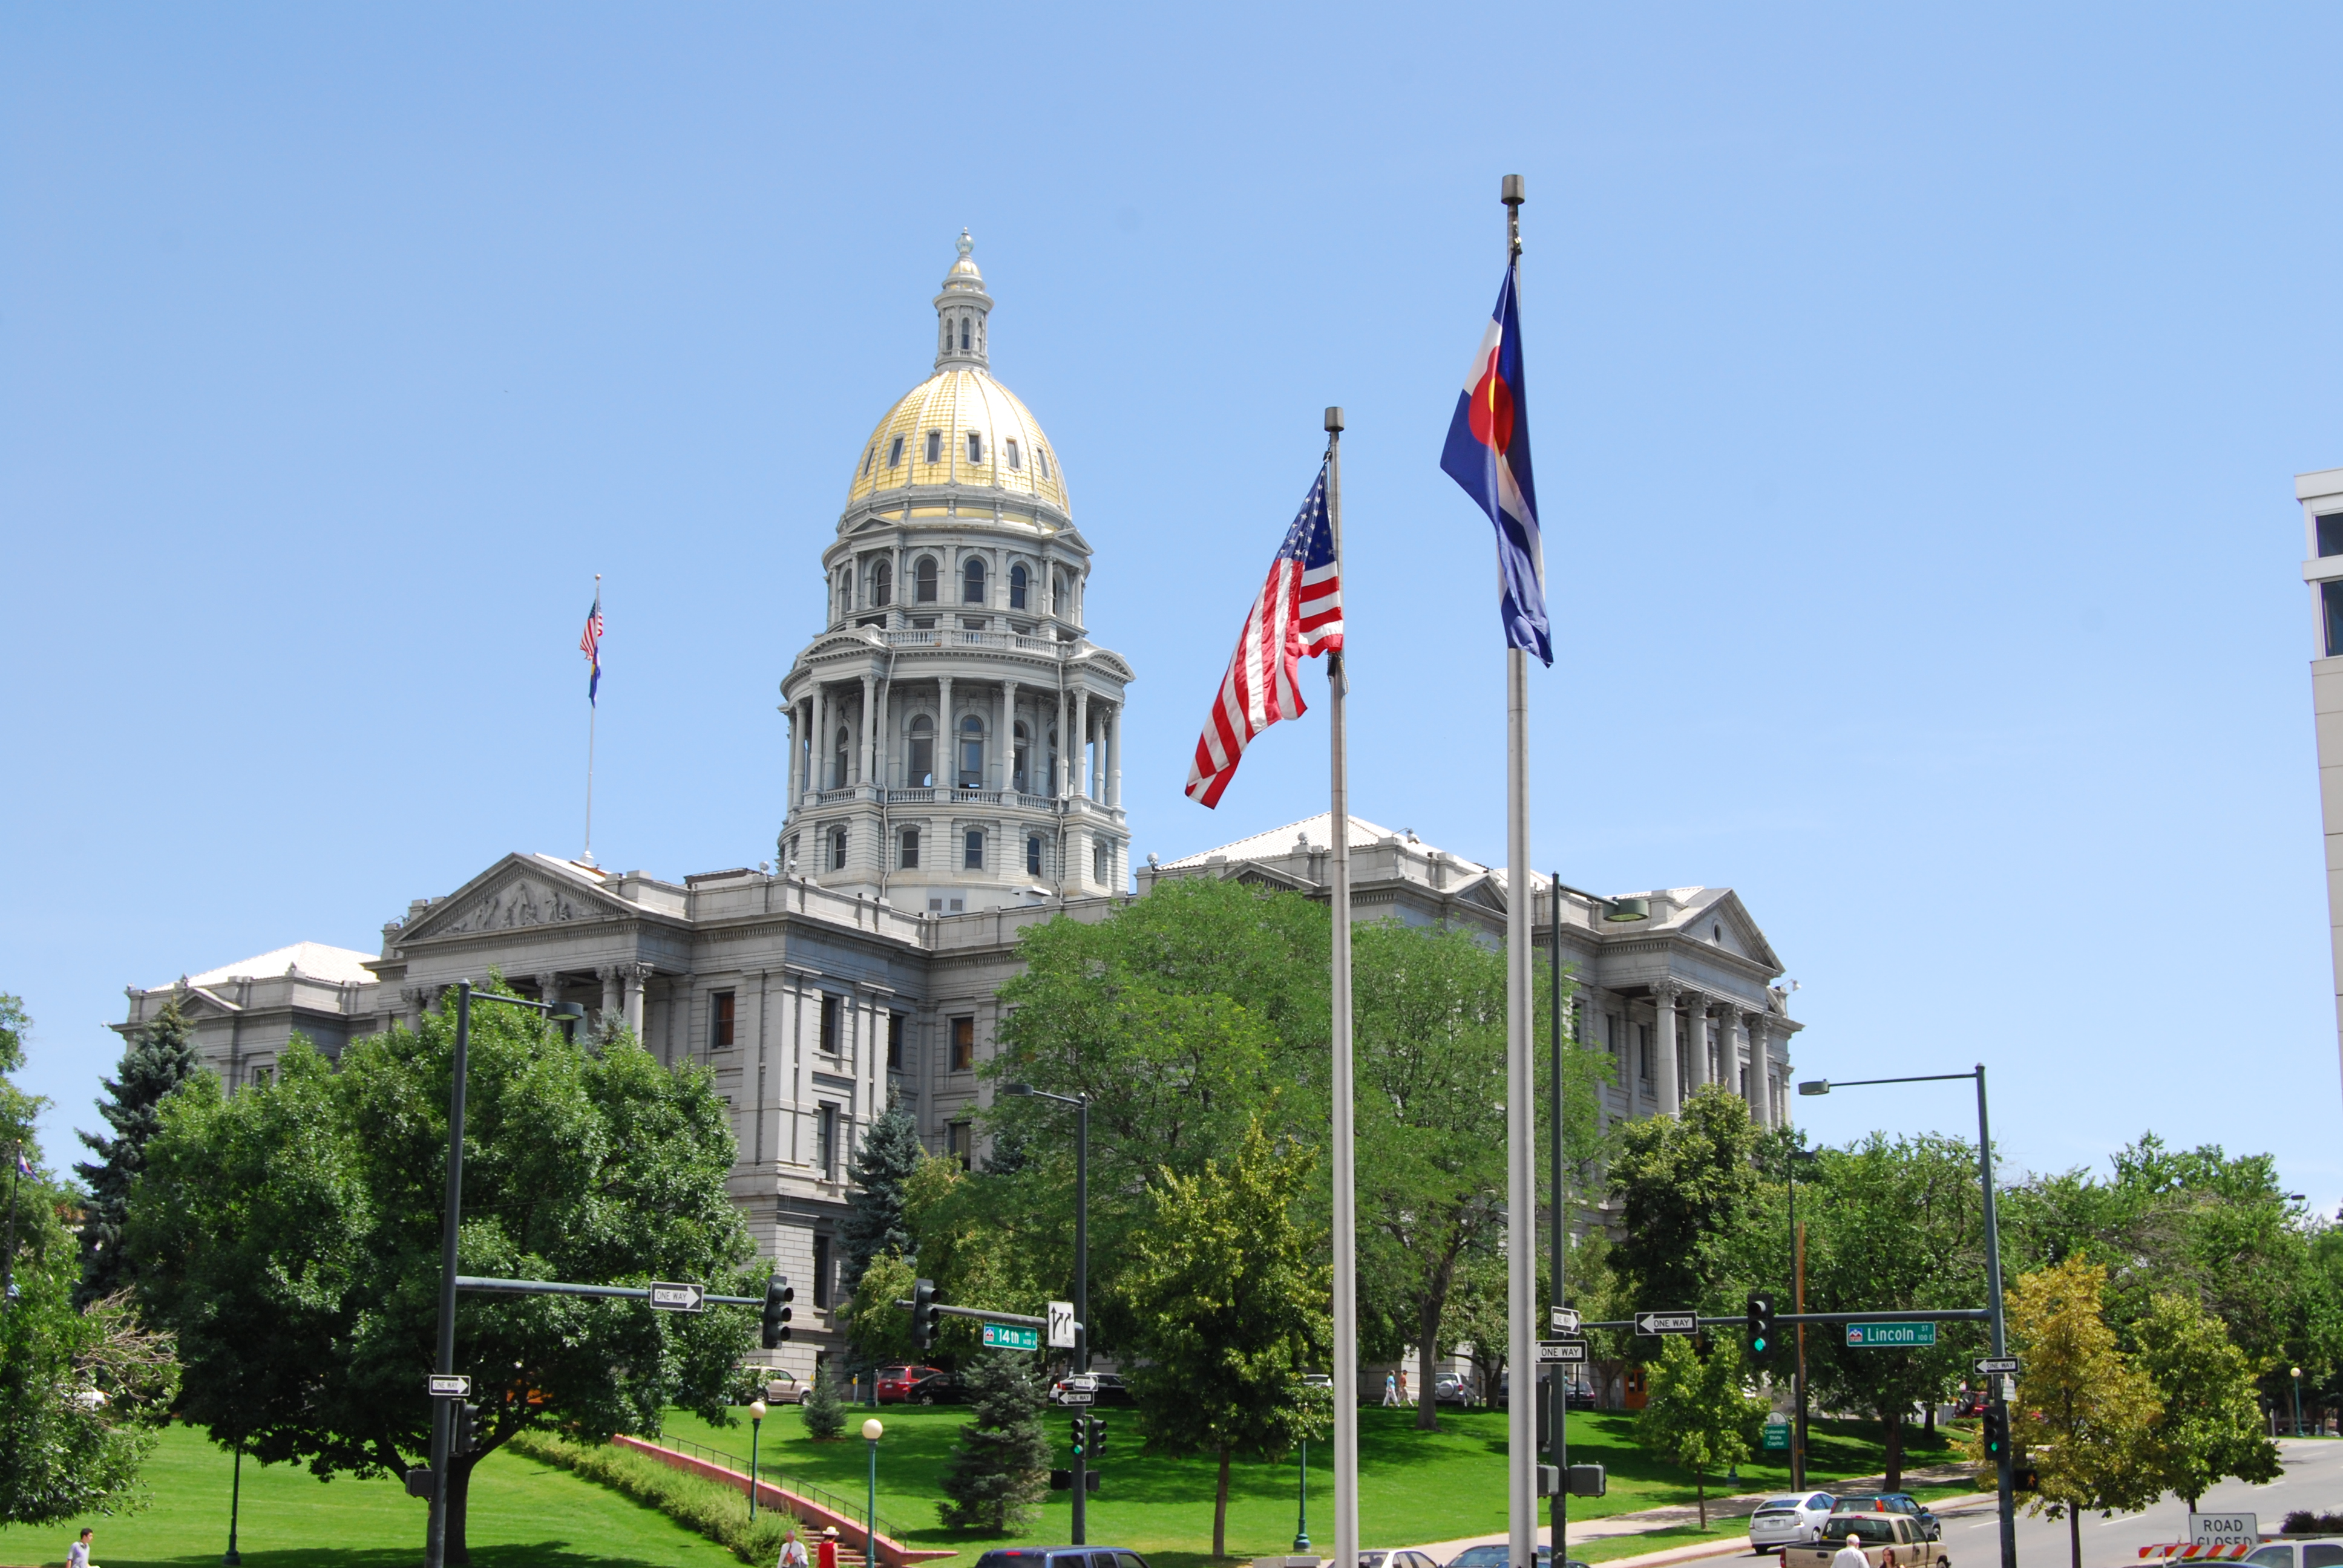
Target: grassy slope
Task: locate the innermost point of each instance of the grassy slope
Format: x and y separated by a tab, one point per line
523	1515
1414	1486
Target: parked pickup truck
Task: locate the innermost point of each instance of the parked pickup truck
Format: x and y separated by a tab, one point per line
1889	1540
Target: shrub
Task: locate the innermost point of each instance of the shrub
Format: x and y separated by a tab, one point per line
715	1511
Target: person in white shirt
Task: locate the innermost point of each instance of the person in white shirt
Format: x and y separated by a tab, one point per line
1851	1554
78	1554
793	1551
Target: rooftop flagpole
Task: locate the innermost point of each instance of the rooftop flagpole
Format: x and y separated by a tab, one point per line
591	646
1521	1079
1345	1216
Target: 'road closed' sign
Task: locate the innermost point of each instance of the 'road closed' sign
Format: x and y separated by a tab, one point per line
2224	1528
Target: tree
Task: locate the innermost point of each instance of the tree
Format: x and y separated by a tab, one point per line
1688	1187
79	1390
1001	1468
821	1410
1700	1414
874	1225
2211	1425
1229	1297
159	1057
2084	1413
290	1235
877	1327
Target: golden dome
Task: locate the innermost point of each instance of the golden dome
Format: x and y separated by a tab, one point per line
959	428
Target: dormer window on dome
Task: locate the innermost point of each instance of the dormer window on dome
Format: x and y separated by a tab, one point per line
976	446
935	446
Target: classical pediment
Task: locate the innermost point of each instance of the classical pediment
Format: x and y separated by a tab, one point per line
514	895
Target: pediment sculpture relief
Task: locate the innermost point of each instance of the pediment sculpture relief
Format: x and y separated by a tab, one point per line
520	903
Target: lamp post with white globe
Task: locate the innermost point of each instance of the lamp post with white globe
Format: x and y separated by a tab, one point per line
871	1432
756	1428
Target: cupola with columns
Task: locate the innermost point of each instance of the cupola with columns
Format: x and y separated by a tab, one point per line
955	737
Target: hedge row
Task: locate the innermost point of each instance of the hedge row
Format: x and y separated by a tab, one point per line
693	1502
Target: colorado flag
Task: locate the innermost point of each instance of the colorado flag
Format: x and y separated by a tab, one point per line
1488	453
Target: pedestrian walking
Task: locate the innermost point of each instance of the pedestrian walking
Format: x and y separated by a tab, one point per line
793	1551
78	1554
826	1556
1404	1397
1391	1390
1851	1554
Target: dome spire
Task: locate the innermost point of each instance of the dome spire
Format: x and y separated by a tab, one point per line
960	312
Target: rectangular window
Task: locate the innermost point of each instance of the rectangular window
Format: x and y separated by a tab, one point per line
975	448
1033	854
935	446
963	1044
963	1143
895	452
910	861
1644	1051
1011	448
720	1020
972	851
1100	856
895	1041
833	1010
825	1146
2330	534
2331	599
822	1273
837	841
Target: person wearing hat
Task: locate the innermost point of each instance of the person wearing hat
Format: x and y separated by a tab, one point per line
826	1556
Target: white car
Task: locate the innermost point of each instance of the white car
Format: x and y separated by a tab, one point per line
2325	1552
1795	1520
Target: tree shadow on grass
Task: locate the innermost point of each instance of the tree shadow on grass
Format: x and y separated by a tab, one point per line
533	1554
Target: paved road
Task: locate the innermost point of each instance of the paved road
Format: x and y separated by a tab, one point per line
2313	1480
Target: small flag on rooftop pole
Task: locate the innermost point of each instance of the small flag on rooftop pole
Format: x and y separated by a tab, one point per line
1488	453
590	643
1298	614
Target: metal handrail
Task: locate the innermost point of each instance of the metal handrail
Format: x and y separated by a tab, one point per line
844	1507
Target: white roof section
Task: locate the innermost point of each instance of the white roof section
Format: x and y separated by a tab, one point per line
1277	842
339	966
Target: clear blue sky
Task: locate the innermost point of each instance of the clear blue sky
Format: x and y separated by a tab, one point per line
1916	395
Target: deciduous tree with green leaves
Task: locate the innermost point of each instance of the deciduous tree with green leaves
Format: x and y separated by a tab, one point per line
160	1056
1001	1468
2210	1427
1227	1295
1687	1186
290	1235
1700	1414
2085	1415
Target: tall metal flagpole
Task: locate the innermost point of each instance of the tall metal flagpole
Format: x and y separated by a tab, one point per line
1346	1230
1521	1081
593	711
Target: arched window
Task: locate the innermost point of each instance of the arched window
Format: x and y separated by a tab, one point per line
971	752
1033	854
975	447
923	580
971	856
935	446
882	585
842	758
1023	743
1011	445
1016	574
921	772
971	589
963	335
895	452
837	848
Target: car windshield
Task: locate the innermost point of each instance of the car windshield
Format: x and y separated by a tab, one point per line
1779	1502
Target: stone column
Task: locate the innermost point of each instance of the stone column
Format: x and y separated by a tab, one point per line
1114	755
549	987
1082	729
862	772
609	973
1760	1073
1663	999
635	976
996	760
1009	738
820	701
1058	751
947	737
1696	1057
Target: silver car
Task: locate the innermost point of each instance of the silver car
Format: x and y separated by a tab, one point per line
1795	1520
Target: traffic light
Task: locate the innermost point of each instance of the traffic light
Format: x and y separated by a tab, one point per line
1082	1435
1761	1324
1996	1434
2025	1478
777	1297
466	1436
1098	1436
925	1319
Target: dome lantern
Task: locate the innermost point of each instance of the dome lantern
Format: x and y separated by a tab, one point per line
961	310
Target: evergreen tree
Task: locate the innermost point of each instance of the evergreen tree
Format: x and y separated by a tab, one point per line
891	1151
1001	1467
158	1058
821	1410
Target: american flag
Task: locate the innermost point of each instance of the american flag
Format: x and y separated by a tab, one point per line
1298	614
590	645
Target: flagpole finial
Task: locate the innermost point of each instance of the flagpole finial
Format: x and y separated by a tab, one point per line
1334	421
1513	194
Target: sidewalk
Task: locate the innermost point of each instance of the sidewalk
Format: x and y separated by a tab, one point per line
1740	1505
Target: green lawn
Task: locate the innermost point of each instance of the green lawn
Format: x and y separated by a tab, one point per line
523	1515
1414	1486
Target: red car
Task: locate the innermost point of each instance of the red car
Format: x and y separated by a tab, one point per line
913	1384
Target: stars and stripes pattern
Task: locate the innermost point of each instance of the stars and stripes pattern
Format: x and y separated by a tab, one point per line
590	645
1488	453
1297	615
24	1166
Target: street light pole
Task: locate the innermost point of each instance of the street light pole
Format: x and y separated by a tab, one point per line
871	1430
1992	1270
1081	1104
755	1430
234	1504
2298	1402
1302	1521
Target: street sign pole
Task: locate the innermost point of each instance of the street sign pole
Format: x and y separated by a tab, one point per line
2008	1499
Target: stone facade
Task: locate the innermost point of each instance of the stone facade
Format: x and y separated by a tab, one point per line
2321	498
